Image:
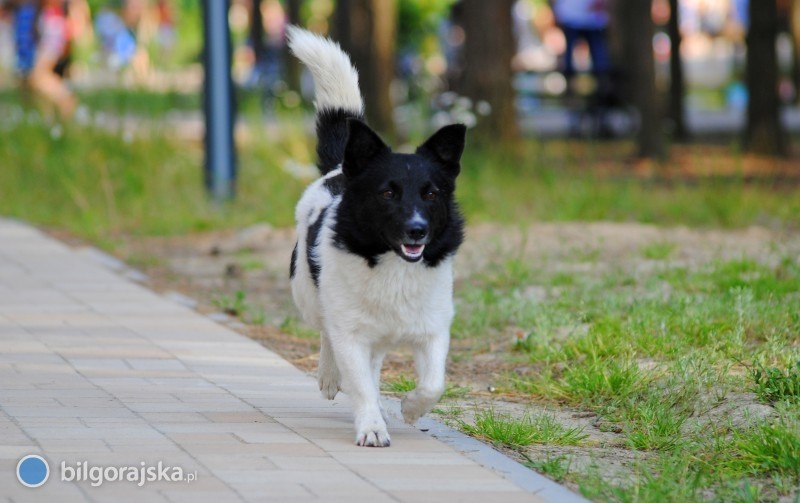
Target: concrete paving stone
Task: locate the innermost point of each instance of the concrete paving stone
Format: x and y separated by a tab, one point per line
238	417
18	394
429	459
10	452
391	482
194	384
121	351
323	483
68	381
181	418
171	406
60	368
54	411
157	447
35	358
37	401
40	317
311	464
155	364
272	437
267	430
73	446
235	463
204	438
281	492
21	346
83	364
291	446
53	490
463	497
95	401
417	445
97	433
312	423
115	422
420	472
58	422
123	492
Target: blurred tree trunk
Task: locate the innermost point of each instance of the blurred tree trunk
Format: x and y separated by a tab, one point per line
677	85
257	33
366	30
794	23
636	25
488	49
291	63
764	133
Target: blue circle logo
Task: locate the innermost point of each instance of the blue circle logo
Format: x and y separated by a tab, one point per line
32	470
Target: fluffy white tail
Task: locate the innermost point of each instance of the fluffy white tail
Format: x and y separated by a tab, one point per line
335	79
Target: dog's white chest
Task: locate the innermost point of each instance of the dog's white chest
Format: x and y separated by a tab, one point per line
394	299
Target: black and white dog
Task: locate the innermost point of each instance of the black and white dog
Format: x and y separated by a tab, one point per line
373	264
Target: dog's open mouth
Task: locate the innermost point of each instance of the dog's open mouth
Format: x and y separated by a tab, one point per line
411	252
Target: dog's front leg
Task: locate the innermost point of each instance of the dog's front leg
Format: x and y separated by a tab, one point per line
430	357
354	361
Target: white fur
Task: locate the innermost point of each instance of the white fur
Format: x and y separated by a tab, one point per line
335	79
362	312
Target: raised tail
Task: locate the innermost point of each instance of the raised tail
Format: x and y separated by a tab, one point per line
336	87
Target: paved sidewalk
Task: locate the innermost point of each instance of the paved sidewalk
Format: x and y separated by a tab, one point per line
96	368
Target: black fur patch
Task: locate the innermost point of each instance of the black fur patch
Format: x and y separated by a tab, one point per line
336	184
311	244
369	225
332	137
293	264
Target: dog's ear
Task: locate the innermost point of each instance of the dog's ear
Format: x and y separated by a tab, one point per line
445	146
363	145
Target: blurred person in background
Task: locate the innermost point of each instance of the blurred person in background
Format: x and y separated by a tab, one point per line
118	25
587	20
42	37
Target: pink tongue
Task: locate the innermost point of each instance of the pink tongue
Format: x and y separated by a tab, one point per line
413	249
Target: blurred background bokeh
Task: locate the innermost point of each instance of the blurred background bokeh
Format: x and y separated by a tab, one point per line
671	90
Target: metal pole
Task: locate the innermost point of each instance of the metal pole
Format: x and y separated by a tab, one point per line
218	102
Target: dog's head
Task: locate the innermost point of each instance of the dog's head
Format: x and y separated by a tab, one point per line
403	202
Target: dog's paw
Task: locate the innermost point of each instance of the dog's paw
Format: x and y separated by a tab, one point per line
373	438
371	430
416	404
329	386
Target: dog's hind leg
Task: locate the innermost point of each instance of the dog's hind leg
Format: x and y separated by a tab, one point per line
328	373
430	358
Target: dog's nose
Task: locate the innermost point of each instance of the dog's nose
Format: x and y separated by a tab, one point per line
417	231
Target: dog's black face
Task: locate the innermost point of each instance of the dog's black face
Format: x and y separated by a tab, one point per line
400	202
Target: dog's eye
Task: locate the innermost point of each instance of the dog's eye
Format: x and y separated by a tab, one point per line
429	196
387	194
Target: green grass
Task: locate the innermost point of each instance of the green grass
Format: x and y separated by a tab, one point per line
770	448
404	384
554	467
652	366
659	250
773	384
512	432
295	328
97	185
541	184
